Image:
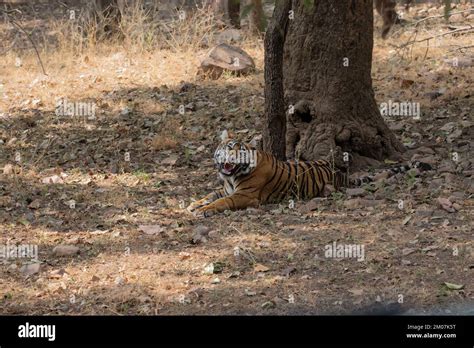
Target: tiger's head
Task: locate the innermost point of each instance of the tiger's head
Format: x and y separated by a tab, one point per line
235	158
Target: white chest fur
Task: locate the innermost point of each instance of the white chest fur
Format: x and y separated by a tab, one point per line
229	183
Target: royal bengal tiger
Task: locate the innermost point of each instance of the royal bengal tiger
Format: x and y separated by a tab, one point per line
252	177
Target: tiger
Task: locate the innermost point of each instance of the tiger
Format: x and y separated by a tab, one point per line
252	178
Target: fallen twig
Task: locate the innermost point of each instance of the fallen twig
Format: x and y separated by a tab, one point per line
463	30
439	16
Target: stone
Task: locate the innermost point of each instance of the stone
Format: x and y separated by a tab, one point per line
359	203
310	206
30	269
446	204
65	250
225	57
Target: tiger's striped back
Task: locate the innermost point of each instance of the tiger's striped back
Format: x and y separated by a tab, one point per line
298	179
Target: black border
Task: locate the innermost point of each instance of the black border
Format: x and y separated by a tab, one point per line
241	330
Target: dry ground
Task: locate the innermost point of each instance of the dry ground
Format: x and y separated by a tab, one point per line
265	261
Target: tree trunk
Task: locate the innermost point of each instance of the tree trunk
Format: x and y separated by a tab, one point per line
234	13
226	10
327	78
257	18
274	129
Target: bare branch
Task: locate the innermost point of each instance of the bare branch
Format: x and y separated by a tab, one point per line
17	25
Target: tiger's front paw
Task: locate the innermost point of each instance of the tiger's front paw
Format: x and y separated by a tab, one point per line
203	212
192	207
197	205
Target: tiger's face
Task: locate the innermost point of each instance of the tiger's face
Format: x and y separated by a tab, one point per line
234	158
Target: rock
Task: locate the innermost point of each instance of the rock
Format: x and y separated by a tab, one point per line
225	57
200	235
396	127
356	192
425	150
426	159
453	136
170	161
310	206
424	210
213	234
328	190
359	203
30	269
35	204
446	204
201	229
457	206
55	179
353	203
152	229
65	250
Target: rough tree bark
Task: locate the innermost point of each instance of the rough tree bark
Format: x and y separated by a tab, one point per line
274	129
234	13
327	78
257	19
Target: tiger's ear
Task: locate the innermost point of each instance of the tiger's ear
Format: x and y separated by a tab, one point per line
224	135
256	142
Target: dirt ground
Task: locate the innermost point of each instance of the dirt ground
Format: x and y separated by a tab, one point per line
115	187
